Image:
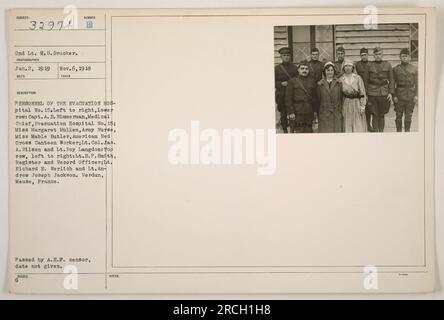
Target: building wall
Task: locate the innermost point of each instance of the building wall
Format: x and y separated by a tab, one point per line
391	37
280	40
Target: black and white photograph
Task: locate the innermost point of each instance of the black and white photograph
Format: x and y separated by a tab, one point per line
346	78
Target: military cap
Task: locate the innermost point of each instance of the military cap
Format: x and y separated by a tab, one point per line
284	50
377	49
363	50
303	63
405	51
314	50
340	49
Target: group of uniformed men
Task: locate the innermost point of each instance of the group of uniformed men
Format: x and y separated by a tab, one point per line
384	85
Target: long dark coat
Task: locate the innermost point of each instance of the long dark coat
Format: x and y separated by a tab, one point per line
280	76
330	106
300	96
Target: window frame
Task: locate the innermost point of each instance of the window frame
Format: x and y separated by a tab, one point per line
313	42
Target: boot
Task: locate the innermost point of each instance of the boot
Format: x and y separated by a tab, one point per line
381	124
398	123
368	116
375	124
407	124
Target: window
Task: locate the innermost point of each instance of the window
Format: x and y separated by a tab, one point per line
301	42
324	42
414	41
306	37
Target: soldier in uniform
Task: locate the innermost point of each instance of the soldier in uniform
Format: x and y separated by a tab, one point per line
406	92
282	74
340	55
315	67
361	68
380	89
300	100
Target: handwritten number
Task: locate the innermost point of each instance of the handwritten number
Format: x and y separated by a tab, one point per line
49	25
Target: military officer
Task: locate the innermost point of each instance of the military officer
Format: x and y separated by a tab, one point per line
406	92
380	89
300	100
361	68
340	55
282	74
